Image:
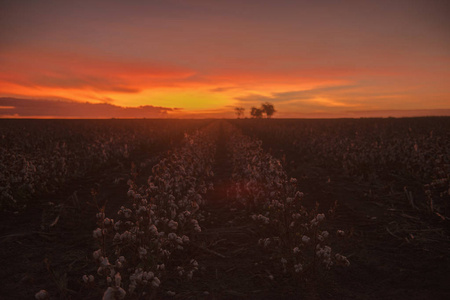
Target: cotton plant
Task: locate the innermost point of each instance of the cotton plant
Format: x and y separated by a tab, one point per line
137	246
273	201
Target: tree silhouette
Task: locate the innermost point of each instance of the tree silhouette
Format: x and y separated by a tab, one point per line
268	109
256	112
239	111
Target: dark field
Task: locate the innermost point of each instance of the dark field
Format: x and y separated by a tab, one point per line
208	209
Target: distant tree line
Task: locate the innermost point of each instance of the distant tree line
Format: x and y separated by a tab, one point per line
266	109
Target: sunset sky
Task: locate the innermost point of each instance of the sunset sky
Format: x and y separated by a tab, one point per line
201	58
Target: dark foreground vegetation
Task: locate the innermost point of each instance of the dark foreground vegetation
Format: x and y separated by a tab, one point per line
240	209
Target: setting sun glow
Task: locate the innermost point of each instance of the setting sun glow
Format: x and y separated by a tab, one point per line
191	59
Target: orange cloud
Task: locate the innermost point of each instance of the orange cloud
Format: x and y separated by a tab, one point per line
70	71
208	92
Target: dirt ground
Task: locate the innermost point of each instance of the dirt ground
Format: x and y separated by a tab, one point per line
395	251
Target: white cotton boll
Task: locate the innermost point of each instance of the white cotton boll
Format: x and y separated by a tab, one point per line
197	228
97	233
85	278
104	262
325	234
320	217
153	229
117	238
170	293
91	278
97	254
172	236
340	232
149	275
296	216
298	268
121	293
189	275
320	238
125	236
130	193
342	260
296	250
142	252
319	252
194	263
161	267
156	282
173	225
305	239
185	239
117	225
138	275
117	279
41	295
109	294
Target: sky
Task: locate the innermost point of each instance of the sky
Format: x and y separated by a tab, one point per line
203	58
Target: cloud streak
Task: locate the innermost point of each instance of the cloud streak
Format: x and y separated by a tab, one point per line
74	71
23	108
318	98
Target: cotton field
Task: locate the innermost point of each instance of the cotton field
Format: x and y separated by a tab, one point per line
224	209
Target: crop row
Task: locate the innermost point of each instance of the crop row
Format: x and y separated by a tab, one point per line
146	243
295	235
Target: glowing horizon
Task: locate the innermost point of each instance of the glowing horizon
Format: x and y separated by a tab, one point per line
202	58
